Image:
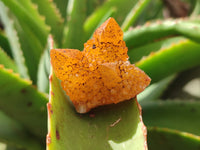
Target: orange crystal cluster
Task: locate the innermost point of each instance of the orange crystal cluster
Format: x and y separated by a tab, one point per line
101	74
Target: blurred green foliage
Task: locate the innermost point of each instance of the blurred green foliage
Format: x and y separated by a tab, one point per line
163	40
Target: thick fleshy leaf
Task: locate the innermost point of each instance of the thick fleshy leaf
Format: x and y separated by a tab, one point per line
31	47
155	91
136	54
44	67
4	44
13	133
134	14
62	6
122	8
167	139
153	31
178	57
21	101
33	20
180	115
7	61
32	34
117	126
196	10
92	5
52	18
107	15
14	41
185	86
74	33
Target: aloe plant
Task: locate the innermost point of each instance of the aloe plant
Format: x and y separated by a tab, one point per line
166	49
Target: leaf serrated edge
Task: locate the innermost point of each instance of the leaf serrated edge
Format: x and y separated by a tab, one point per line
57	11
39	27
177	57
144	128
17	75
42	17
14	43
57	15
151	31
12	64
145	58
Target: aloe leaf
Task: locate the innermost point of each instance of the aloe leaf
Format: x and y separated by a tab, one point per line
122	8
7	61
32	49
185	86
147	14
92	5
136	54
155	91
178	57
178	114
53	17
4	44
32	44
165	139
153	31
109	14
13	133
32	9
196	10
44	67
20	100
37	25
134	14
14	41
117	126
62	6
74	33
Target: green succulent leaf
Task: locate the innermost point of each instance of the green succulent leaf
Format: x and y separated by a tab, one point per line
62	6
31	30
109	14
196	10
4	44
122	8
21	101
53	18
165	139
14	41
13	133
136	54
32	49
175	114
147	14
7	61
185	86
154	31
74	33
93	5
167	61
155	91
35	23
117	126
134	14
44	67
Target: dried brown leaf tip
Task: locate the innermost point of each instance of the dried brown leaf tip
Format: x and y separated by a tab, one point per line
101	74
